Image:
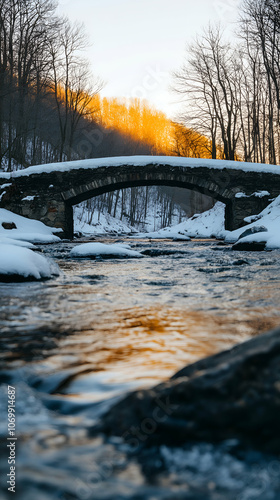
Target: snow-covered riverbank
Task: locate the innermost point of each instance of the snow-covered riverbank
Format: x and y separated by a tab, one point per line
210	224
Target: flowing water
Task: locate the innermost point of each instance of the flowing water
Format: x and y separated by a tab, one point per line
74	345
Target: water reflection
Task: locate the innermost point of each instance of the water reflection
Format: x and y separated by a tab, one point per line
75	344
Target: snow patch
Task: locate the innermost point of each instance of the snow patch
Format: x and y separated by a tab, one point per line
28	198
261	194
257	194
19	243
241	195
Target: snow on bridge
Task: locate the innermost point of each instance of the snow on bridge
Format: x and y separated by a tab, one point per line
139	161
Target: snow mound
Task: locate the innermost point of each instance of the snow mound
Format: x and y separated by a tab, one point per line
22	264
26	229
270	219
103	250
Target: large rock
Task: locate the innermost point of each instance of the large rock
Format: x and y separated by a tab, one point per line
253	230
247	242
233	394
249	246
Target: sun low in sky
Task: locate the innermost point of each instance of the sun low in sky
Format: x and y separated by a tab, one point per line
136	44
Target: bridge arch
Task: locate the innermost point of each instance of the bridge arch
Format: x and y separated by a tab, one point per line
48	192
150	175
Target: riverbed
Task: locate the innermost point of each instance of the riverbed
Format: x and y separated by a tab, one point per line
74	345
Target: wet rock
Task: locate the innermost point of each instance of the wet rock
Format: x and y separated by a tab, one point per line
249	246
232	395
9	225
253	230
240	262
78	234
157	252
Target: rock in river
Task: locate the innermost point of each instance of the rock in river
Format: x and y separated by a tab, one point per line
251	240
247	245
253	230
232	395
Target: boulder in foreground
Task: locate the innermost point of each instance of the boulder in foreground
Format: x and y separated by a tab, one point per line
232	395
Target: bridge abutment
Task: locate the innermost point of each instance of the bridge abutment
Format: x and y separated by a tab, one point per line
239	208
51	210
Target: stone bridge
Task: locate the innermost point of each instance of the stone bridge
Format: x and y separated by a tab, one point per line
48	192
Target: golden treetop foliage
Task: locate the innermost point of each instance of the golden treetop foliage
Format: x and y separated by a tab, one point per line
137	119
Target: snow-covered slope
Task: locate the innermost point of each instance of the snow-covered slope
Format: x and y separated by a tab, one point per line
101	250
100	223
206	225
17	261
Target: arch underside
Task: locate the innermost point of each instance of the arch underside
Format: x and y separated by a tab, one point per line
96	186
86	191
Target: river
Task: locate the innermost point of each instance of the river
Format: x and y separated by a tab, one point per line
73	345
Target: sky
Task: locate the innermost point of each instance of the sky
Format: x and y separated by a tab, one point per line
135	45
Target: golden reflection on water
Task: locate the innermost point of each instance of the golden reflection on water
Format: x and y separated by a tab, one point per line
150	344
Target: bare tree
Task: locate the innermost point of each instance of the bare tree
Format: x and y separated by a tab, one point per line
72	84
261	23
208	80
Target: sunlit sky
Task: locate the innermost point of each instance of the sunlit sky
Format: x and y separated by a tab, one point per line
136	44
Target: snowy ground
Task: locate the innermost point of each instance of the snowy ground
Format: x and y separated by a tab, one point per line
93	222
